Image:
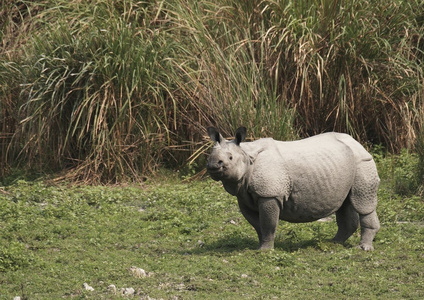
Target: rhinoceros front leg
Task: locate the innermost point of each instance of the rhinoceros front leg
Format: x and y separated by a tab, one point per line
269	214
252	217
264	220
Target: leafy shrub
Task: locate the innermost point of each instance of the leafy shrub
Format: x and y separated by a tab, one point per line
13	256
399	173
420	152
406	174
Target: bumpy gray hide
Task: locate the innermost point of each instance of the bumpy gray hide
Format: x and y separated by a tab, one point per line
299	181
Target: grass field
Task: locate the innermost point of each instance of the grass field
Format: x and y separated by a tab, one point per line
193	243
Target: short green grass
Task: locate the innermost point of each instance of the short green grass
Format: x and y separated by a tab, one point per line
194	244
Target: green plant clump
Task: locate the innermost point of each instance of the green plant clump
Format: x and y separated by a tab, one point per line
401	173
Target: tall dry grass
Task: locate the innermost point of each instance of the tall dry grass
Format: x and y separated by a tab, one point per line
352	66
110	90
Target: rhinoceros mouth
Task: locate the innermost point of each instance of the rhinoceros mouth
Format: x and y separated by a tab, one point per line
216	172
213	170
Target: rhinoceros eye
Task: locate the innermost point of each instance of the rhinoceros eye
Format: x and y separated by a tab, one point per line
231	157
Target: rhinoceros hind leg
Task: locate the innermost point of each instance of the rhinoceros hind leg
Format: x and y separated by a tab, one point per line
364	199
347	221
369	228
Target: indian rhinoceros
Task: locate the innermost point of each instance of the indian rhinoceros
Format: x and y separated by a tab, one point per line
299	181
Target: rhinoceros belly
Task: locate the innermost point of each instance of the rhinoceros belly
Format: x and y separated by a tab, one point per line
321	178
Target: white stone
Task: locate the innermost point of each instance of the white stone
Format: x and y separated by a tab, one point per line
87	287
112	288
138	272
127	291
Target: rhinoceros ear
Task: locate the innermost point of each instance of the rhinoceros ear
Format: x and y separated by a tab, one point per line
240	135
214	135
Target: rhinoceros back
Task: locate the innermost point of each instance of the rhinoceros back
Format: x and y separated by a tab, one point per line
319	170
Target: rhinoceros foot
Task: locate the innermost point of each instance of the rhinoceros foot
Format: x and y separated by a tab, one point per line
366	247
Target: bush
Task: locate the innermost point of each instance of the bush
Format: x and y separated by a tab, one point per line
401	173
13	256
406	174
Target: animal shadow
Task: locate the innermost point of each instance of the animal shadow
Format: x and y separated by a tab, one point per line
233	243
226	244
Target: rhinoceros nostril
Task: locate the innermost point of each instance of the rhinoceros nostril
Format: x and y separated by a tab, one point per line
214	165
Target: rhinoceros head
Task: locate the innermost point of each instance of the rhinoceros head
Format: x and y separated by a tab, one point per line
227	160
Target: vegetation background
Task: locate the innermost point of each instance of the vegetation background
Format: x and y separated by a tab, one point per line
111	90
106	91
